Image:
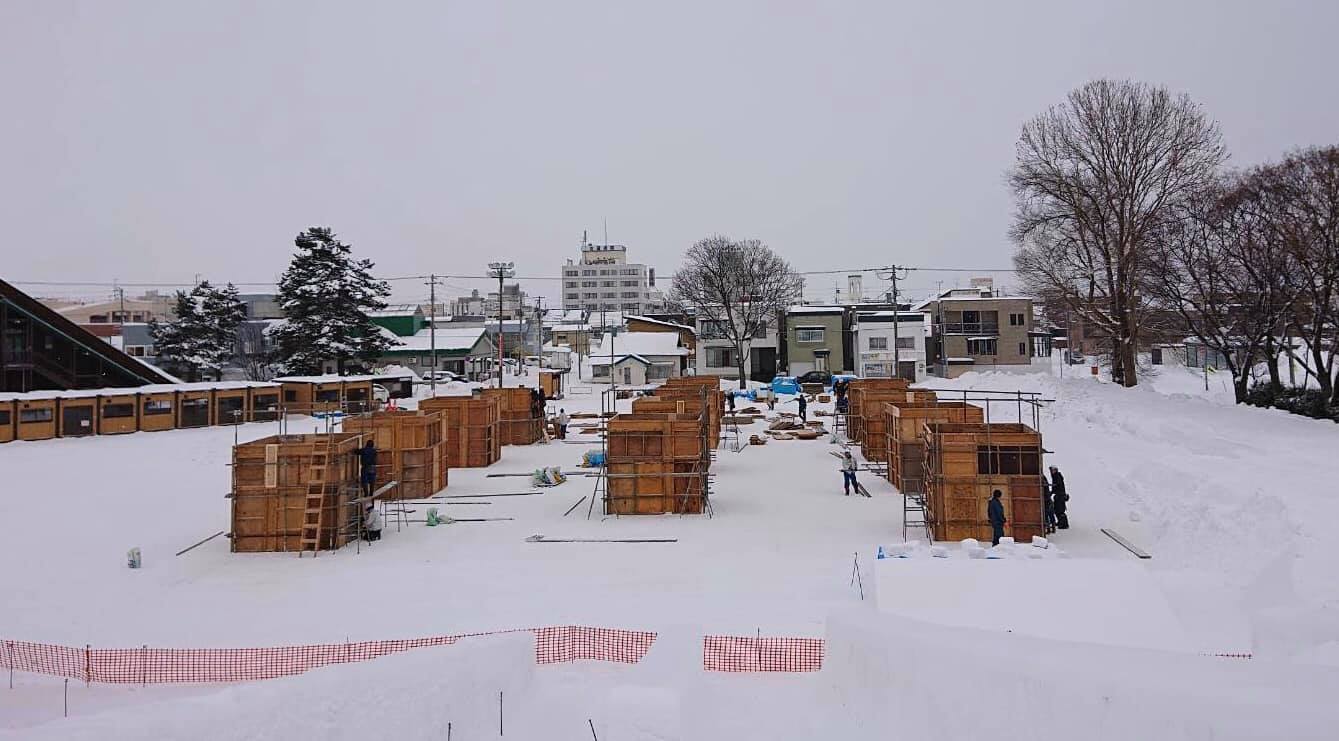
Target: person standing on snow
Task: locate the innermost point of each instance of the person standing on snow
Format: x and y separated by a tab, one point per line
1048	506
1059	499
848	473
804	406
367	459
562	421
730	401
995	513
371	523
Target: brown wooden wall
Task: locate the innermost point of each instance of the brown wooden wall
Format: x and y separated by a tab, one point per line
271	480
411	450
470	427
905	441
958	490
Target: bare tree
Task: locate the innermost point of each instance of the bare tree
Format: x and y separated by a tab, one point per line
1093	177
1301	206
1214	262
253	352
742	285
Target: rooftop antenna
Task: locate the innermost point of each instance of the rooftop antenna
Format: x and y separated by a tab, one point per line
606	232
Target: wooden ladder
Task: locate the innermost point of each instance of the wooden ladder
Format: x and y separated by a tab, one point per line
313	514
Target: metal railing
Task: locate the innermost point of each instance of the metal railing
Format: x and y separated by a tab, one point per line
971	328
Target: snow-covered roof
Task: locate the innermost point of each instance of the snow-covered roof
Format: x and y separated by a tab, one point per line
463	338
886	315
643	343
571	328
992	337
631	356
661	322
333	377
815	310
155	388
396	310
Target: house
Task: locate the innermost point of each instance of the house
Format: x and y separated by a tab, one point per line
43	349
467	351
554	356
404	320
152	305
975	328
639	358
716	353
815	339
890	344
641	323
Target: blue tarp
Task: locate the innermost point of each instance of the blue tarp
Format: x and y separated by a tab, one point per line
785	385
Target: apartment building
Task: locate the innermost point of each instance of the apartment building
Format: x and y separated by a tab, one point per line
975	328
815	339
604	280
716	354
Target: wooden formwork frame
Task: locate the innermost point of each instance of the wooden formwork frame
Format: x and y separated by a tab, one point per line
466	449
400	436
669	470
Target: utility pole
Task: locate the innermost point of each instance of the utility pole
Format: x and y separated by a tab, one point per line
897	319
501	270
432	332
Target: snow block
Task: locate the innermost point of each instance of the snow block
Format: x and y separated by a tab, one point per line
970	543
1040	542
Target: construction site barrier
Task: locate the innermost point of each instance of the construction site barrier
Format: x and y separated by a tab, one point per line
207	665
553	645
761	654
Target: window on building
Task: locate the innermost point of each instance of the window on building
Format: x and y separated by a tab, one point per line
589	283
570	284
1016	320
41	414
587	272
97	319
112	411
599	371
572	296
630	294
607	284
164	406
878	343
630	271
632	307
610	294
713	329
570	271
721	357
629	283
981	346
760	332
590	295
1022	348
906	343
608	272
137	351
811	335
4	417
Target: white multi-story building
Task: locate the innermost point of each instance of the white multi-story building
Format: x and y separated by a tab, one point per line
604	280
875	344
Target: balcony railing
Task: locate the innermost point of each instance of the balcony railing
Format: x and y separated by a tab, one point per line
986	328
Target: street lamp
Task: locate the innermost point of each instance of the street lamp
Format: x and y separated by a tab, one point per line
500	270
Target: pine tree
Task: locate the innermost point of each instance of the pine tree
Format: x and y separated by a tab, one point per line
326	294
203	336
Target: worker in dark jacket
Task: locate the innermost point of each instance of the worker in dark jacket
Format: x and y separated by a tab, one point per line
1059	499
367	459
804	407
995	512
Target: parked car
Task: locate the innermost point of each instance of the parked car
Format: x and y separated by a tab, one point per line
380	393
442	376
816	376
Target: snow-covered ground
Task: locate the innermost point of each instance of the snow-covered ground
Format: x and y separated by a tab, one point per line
1233	503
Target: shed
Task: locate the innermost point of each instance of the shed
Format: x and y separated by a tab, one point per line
965	463
194	406
118	412
470	428
6	420
35	417
278	480
77	415
411	450
356	395
551	383
905	432
157	408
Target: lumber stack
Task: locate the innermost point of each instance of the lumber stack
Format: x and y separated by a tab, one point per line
470	426
519	423
411	449
656	464
277	478
965	463
905	427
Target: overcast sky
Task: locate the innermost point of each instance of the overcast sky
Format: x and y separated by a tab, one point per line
150	142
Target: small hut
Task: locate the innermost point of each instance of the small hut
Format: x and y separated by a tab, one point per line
286	485
118	412
232	404
35	413
411	450
157	408
194	406
905	432
551	383
470	428
77	413
357	395
520	422
965	463
6	419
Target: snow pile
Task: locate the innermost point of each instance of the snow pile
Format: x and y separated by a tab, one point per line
893	677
